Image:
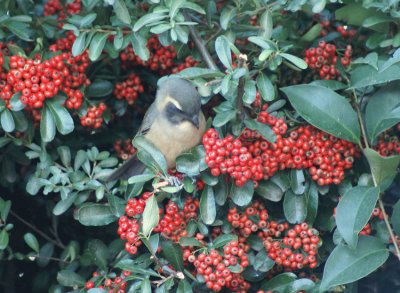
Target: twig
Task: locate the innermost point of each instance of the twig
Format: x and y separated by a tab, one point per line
60	245
386	219
198	41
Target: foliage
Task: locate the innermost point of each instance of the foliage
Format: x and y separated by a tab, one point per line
294	187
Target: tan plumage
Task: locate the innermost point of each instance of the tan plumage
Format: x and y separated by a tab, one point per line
174	123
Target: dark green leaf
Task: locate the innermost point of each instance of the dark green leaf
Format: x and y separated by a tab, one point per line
312	33
396	218
269	190
265	87
139	46
223	239
300	63
70	279
97	45
262	262
47	125
173	253
312	203
294	207
354	210
325	109
190	241
148	19
45	254
223	51
279	283
62	118
207	206
263	129
384	169
150	215
15	102
224	117
3	239
32	242
192	162
297	181
300	285
197	72
63	205
242	196
7	121
121	11
79	45
145	286
345	265
226	16
99	88
184	287
383	110
141	178
158	159
96	215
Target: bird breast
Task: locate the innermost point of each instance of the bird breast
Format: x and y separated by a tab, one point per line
172	140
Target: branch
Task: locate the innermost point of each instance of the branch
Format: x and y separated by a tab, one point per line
60	245
240	92
201	47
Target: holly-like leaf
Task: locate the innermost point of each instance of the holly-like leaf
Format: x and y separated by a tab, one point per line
325	109
354	210
346	265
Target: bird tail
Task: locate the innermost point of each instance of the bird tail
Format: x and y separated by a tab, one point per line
133	166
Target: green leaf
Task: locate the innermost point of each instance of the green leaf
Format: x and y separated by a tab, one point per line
62	118
376	19
173	253
294	207
190	241
121	11
158	159
226	16
330	84
99	88
269	190
242	196
265	87
297	181
175	6
139	46
47	125
141	178
96	215
223	240
266	25
192	162
300	63
325	109
354	211
300	285
4	239
223	51
223	117
384	169
345	265
98	253
250	91
148	19
32	242
383	110
45	254
264	129
366	75
79	45
145	286
312	203
396	218
208	210
197	72
97	45
262	262
279	283
70	279
312	33
184	287
150	215
21	123
15	102
7	121
63	205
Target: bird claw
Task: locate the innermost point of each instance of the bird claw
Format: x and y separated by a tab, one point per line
174	181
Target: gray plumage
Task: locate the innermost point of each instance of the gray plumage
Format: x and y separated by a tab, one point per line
174	123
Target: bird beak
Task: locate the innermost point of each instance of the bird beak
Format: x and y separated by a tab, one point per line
195	121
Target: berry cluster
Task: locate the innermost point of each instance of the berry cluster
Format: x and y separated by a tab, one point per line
216	268
54	7
129	89
161	57
296	250
189	62
124	149
251	157
109	283
388	145
254	218
174	220
345	31
323	59
93	117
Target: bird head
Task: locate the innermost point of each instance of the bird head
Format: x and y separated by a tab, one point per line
179	101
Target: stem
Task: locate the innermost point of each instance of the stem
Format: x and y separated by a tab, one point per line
201	47
381	205
56	243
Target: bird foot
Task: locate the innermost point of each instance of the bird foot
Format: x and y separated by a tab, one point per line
174	181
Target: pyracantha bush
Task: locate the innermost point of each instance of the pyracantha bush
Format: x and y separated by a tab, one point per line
293	187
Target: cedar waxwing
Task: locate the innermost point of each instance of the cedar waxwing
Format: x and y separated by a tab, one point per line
174	123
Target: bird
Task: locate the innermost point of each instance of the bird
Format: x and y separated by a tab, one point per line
174	123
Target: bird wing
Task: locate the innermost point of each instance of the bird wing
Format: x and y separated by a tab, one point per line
148	119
